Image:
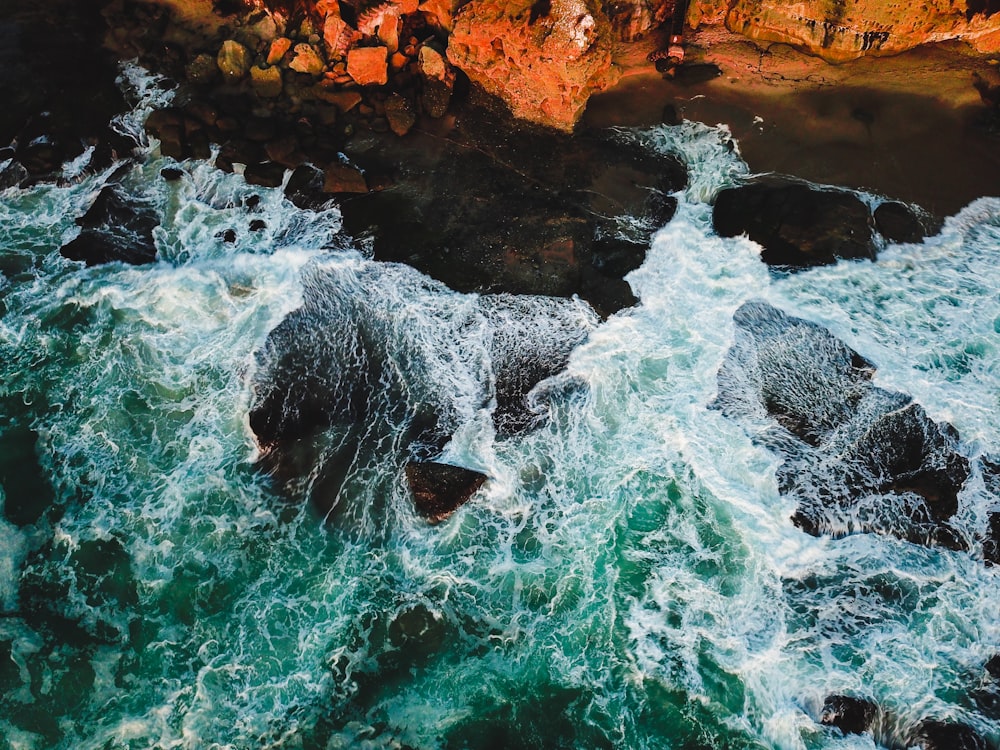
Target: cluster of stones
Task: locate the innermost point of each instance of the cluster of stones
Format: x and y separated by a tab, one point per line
279	93
337	63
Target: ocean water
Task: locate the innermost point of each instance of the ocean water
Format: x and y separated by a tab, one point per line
627	578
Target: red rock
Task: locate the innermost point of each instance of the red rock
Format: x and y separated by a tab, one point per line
368	65
277	51
844	31
543	67
341	178
344	101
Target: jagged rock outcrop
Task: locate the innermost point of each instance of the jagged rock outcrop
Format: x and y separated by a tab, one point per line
630	19
439	489
543	59
848	29
856	457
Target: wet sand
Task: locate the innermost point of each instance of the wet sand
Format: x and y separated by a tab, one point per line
907	127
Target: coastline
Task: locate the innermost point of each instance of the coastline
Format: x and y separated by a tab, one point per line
908	126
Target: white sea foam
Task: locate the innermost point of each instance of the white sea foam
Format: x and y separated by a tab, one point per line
629	571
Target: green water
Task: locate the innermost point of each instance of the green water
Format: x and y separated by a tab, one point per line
628	578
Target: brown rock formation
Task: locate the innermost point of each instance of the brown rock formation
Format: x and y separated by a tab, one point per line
543	59
846	29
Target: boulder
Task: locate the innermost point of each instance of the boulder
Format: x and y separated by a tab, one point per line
439	489
855	457
543	60
797	224
368	66
898	222
848	714
279	47
234	61
400	113
437	81
941	735
266	82
116	227
343	178
345	378
203	69
265	174
448	210
307	60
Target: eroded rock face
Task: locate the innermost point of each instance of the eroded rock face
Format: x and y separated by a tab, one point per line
856	457
543	59
847	30
350	378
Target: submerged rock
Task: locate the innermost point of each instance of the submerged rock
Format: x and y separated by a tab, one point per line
117	227
797	224
940	735
349	378
856	457
439	489
848	714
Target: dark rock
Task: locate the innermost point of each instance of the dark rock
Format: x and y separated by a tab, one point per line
670	115
992	667
332	383
42	156
117	227
11	173
228	236
797	224
260	129
448	210
52	61
941	735
167	125
526	348
252	202
171	174
898	222
285	151
258	225
400	113
417	630
991	544
856	457
849	715
343	178
305	187
438	489
237	152
265	174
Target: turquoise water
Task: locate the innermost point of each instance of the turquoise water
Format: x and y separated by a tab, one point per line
629	576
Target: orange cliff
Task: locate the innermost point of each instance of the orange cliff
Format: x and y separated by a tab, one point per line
840	30
544	59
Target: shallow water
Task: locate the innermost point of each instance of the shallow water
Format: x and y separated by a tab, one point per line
629	576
